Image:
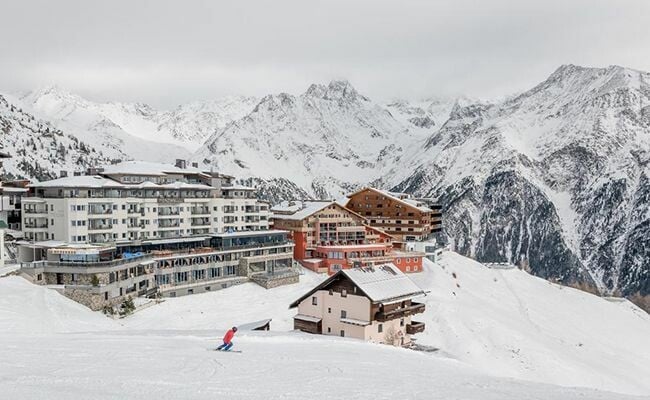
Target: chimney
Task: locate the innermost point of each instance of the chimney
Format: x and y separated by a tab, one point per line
180	163
63	174
195	165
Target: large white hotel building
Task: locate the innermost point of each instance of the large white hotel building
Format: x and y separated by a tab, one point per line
140	201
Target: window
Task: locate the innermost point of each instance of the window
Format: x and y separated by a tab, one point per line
314	301
329	330
401	322
329	310
344	314
105	295
331	292
399	260
380	328
344	293
408	269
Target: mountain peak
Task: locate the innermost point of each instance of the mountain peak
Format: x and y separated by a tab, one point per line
338	89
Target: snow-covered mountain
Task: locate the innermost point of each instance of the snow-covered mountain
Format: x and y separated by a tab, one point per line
327	140
554	179
137	130
40	150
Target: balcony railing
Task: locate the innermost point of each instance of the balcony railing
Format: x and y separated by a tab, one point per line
100	211
35	225
414	308
200	211
100	227
34	211
415	327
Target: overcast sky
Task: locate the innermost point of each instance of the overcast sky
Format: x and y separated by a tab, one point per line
165	53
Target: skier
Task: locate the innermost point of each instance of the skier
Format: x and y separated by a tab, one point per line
227	339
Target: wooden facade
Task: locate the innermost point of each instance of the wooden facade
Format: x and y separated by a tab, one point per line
401	216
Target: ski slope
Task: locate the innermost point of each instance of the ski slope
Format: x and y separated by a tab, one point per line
498	330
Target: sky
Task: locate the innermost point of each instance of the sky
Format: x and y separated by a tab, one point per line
165	53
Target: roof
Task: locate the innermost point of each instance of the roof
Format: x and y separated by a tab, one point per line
382	283
251	326
237	187
353	321
97	181
306	318
84	181
299	210
147	168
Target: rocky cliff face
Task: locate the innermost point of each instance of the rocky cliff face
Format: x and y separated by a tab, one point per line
555	178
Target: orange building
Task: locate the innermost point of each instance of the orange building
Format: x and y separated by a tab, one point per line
329	237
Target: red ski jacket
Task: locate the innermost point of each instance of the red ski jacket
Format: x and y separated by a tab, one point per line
228	337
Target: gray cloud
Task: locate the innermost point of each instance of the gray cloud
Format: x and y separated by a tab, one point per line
165	53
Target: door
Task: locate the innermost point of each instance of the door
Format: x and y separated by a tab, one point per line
59	279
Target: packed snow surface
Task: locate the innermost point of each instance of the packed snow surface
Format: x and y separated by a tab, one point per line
485	322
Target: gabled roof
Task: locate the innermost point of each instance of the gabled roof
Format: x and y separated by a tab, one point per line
304	209
396	197
382	283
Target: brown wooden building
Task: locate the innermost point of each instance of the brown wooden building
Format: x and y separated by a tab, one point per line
398	214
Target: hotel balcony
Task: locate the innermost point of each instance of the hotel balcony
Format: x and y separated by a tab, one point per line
200	221
35	225
200	211
169	223
100	210
415	327
163	212
34	210
99	227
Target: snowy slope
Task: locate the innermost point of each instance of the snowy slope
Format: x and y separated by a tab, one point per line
56	349
505	323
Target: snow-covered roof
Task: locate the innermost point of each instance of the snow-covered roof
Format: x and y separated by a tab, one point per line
382	283
84	181
237	187
251	326
306	318
145	168
299	209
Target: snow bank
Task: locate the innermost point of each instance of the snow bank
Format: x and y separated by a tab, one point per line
27	308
